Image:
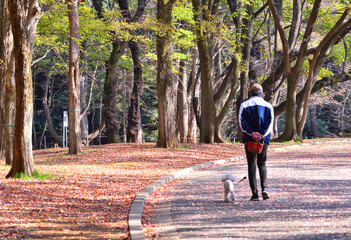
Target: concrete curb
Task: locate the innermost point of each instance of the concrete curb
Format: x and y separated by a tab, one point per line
136	210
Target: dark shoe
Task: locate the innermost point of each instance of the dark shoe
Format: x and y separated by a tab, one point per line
254	198
265	194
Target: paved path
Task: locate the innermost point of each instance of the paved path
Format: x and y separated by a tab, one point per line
310	190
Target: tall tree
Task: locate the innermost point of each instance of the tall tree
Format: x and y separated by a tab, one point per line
166	81
7	93
110	111
208	110
24	17
295	118
342	26
216	102
111	80
134	130
74	129
293	72
47	99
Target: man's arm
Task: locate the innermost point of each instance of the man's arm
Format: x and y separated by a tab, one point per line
268	124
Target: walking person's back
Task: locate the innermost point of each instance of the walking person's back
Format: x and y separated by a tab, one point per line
256	122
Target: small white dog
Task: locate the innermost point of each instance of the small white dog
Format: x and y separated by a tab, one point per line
228	180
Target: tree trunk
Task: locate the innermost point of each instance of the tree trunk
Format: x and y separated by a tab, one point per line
247	28
182	103
110	111
84	124
208	110
134	130
295	23
110	93
125	94
74	129
6	43
279	6
46	106
10	108
315	65
290	131
24	17
166	82
234	75
293	73
97	132
192	125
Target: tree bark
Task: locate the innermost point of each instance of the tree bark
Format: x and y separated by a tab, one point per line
293	74
10	108
166	82
84	124
315	65
134	130
6	55
97	132
46	106
24	17
192	125
110	93
74	129
246	39
110	111
182	103
295	24
208	111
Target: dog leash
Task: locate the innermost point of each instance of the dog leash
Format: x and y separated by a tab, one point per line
241	180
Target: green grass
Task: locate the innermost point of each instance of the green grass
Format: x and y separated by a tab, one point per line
182	147
36	175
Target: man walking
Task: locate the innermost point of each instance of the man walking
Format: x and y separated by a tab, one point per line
256	122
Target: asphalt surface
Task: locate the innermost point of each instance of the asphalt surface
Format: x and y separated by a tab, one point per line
310	189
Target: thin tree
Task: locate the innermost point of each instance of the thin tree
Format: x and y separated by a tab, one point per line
74	134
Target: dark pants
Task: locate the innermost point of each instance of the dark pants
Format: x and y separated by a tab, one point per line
261	164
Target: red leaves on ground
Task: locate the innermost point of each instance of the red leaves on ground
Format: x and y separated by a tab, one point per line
94	191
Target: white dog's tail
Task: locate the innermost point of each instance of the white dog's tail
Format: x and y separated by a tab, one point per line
228	176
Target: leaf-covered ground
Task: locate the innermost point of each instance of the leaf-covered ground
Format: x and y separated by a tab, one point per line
310	199
91	194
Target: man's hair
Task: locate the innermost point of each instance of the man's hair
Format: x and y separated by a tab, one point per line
256	90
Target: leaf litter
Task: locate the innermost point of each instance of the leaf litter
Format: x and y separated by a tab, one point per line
93	192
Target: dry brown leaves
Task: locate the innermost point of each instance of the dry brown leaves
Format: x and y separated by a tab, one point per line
94	191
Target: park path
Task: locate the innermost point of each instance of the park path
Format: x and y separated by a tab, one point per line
310	189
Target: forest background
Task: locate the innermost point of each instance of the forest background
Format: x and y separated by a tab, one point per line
168	71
